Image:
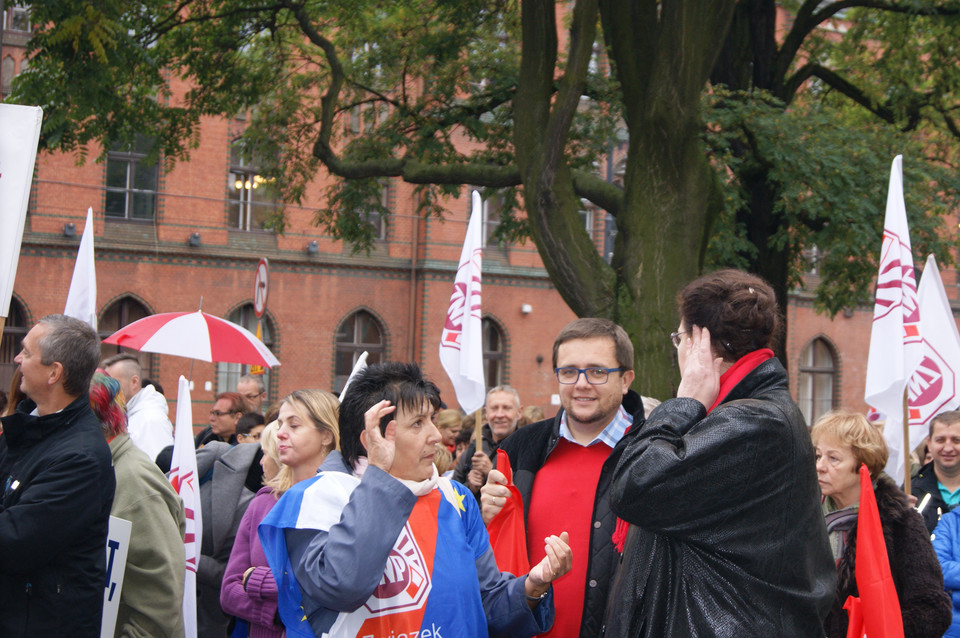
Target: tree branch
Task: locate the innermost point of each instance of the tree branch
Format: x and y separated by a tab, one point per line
837	82
813	13
604	194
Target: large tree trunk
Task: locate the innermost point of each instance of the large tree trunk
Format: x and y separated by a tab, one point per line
662	54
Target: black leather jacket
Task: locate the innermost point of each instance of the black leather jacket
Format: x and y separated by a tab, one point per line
528	449
59	484
727	537
925	482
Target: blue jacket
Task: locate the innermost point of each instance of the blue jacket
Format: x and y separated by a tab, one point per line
946	542
342	552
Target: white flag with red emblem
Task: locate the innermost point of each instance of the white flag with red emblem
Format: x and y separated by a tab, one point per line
461	342
183	477
895	343
935	385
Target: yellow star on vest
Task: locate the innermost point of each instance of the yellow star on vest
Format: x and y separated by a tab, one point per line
460	498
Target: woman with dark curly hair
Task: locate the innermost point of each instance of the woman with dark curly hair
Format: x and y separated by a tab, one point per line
726	537
844	441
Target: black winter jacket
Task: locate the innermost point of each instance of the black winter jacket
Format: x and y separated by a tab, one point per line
528	449
925	482
726	538
58	488
926	608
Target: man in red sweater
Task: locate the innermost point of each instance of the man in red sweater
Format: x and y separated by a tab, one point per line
562	467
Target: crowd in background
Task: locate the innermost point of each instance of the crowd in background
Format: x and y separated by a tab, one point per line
640	516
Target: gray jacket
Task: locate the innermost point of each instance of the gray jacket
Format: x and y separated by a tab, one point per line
224	498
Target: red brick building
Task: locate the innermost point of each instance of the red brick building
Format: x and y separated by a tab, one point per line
165	239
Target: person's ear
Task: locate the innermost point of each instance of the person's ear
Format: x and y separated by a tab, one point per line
363	439
56	373
326	438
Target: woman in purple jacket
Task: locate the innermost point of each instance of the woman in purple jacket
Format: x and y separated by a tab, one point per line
294	446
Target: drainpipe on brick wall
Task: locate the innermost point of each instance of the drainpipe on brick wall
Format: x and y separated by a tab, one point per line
412	302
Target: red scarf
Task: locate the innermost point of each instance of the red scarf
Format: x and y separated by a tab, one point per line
735	374
728	381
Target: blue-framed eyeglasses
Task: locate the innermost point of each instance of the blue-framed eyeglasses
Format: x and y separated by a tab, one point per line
594	376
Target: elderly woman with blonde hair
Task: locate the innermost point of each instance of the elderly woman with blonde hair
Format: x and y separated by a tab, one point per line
844	441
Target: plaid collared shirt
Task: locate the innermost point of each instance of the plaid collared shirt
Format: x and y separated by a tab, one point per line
611	434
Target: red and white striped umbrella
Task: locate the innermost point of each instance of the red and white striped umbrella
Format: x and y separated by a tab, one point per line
196	335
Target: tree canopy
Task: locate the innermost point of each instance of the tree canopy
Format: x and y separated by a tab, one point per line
741	142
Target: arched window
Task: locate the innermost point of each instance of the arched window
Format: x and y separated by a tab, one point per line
14	330
120	313
493	352
358	332
817	380
229	373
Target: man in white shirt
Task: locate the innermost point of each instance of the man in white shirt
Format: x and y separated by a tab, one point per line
147	422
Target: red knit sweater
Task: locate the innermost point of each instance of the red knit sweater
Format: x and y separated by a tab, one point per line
562	500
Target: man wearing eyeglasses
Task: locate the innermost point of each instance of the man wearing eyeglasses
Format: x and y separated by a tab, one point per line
253	391
226	412
563	466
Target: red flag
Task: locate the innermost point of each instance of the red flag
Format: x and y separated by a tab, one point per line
508	535
880	606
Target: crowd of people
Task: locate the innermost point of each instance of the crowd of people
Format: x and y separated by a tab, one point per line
714	513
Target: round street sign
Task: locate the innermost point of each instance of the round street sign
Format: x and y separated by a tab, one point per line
260	288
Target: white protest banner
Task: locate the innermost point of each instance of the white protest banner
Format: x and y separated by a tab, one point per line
118	544
19	133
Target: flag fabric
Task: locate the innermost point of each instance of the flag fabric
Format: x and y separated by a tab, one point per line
183	477
358	367
935	384
82	297
19	134
508	533
429	581
461	342
879	606
895	343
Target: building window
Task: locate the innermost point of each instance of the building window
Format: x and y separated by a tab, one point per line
375	218
14	330
493	204
358	333
609	236
131	182
6	75
817	380
252	202
120	313
229	373
17	18
811	258
493	354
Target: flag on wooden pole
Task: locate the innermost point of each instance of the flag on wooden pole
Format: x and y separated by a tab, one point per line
82	296
183	477
895	343
461	342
